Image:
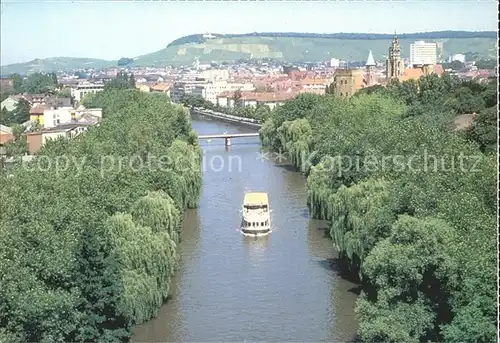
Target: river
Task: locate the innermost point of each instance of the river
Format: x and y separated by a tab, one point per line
230	287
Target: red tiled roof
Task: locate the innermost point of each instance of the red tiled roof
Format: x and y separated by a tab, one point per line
38	109
161	87
439	69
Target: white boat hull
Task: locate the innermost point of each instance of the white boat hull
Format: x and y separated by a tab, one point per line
256	231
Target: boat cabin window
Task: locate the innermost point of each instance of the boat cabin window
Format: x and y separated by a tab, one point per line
255	207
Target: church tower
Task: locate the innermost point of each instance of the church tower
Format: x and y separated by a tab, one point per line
370	70
395	67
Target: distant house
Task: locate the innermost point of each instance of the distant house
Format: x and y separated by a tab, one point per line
10	103
226	99
36	140
161	88
6	84
51	117
143	88
5	135
36	114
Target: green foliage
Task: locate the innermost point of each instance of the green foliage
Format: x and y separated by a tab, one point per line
484	130
259	112
454	65
89	249
125	61
488	63
411	203
18	146
121	81
19	115
40	83
17	82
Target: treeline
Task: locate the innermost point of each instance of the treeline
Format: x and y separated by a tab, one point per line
122	81
259	112
89	229
411	203
36	83
198	38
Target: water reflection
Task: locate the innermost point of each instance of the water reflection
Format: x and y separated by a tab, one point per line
256	248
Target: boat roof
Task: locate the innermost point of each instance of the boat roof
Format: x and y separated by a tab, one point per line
255	198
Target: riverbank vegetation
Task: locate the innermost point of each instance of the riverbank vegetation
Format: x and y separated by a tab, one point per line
411	202
259	112
89	229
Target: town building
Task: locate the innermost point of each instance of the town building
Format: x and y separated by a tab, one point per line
457	57
209	91
143	88
314	85
370	70
347	82
214	74
226	99
6	84
334	62
37	139
422	53
6	135
10	103
161	88
36	114
49	117
394	63
84	88
183	88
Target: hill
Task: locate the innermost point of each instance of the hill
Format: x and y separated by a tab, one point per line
54	64
302	47
291	47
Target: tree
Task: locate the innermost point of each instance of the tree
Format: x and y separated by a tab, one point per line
237	98
484	130
40	83
467	102
125	61
486	63
17	82
53	76
131	81
18	146
401	228
4	116
100	261
121	81
21	113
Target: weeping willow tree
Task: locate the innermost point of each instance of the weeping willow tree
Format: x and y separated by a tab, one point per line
296	137
360	218
319	189
186	164
157	210
148	258
268	134
95	243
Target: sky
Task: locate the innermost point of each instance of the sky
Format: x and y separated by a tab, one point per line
114	29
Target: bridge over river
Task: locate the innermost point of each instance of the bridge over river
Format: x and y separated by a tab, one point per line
232	288
227	136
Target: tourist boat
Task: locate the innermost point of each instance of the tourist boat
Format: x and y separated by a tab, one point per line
256	214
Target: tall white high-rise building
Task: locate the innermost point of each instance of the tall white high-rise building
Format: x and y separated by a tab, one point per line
422	53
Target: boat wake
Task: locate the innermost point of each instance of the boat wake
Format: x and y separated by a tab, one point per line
260	234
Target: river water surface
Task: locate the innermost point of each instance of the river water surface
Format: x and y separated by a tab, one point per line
231	287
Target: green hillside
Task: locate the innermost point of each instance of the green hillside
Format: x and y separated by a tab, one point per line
299	49
55	64
291	47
